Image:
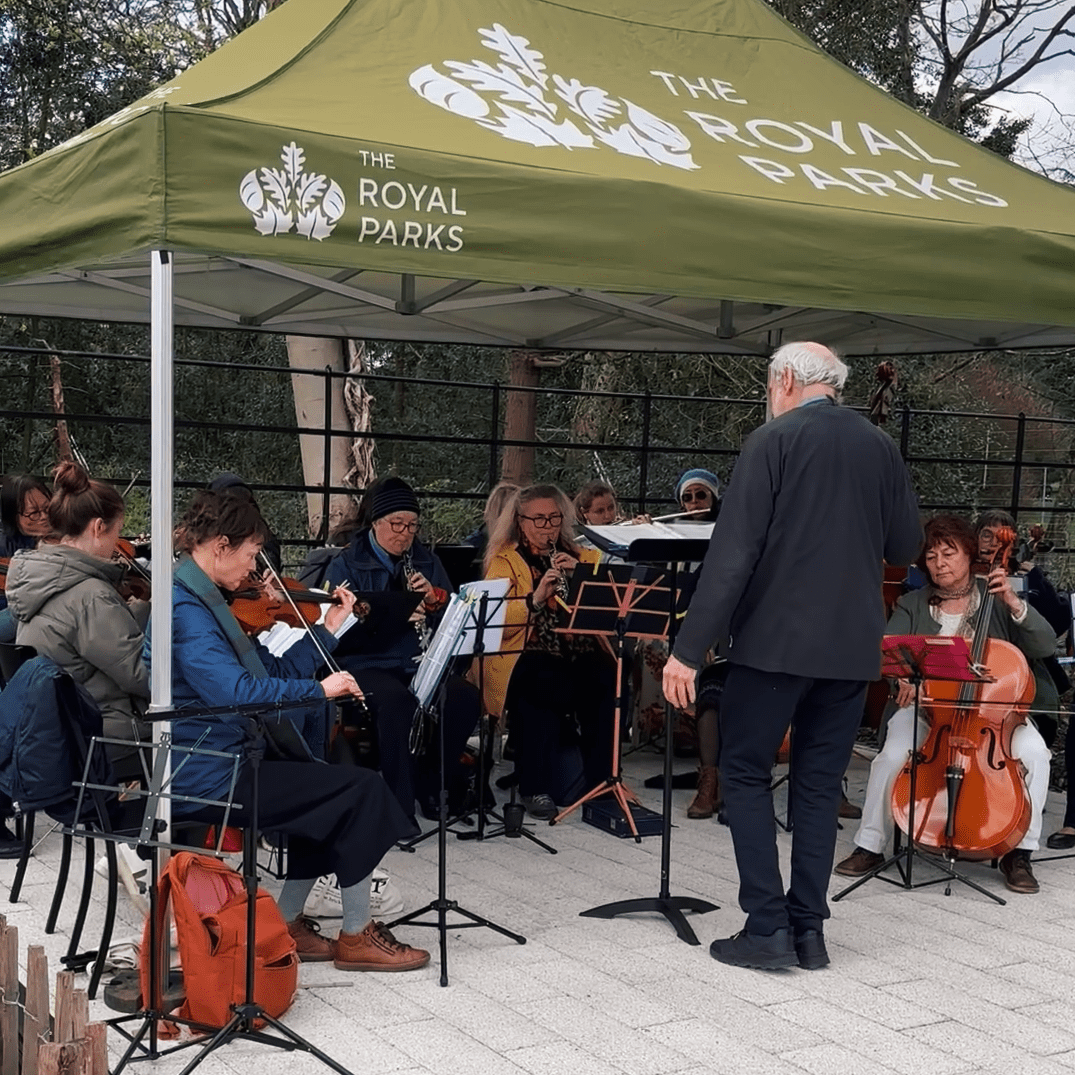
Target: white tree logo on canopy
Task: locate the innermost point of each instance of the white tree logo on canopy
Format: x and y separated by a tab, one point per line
284	198
513	99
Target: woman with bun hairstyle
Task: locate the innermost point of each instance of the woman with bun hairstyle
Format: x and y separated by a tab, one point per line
66	605
339	819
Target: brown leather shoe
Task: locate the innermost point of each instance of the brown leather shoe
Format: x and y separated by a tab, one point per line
848	809
707	799
376	949
860	861
1018	875
309	944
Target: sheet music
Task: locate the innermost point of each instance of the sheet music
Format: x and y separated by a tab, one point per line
457	630
625	533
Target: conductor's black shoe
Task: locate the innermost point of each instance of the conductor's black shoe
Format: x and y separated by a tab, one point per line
810	948
761	953
1061	841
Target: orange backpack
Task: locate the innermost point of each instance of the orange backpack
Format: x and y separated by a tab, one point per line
209	902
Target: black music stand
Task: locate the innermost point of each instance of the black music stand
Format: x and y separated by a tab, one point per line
920	658
669	551
511	826
242	1025
455	637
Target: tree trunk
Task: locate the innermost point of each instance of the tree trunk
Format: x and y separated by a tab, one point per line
359	402
520	418
307	353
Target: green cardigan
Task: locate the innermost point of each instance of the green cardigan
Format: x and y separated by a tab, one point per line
1034	637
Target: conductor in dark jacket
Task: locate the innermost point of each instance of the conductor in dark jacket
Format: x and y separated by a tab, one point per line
792	585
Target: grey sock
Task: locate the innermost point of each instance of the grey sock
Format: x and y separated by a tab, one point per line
293	895
356	906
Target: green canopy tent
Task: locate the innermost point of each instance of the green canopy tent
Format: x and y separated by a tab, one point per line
615	174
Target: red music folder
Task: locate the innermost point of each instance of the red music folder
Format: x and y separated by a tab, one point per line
934	656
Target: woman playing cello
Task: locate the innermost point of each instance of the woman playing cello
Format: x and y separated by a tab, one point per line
948	606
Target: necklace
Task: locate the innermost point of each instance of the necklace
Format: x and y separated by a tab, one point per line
939	595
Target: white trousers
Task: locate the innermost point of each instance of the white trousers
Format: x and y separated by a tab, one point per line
875	831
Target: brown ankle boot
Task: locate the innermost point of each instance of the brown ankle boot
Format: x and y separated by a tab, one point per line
707	799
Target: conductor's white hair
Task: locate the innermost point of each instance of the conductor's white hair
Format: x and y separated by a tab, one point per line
810	363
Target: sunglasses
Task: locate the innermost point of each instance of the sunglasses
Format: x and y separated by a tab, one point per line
695	494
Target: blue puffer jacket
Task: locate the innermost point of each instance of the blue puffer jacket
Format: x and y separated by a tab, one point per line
359	567
207	673
37	770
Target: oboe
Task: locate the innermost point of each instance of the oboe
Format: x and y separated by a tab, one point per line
561	578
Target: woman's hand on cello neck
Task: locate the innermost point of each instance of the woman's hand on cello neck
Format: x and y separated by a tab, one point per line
1000	585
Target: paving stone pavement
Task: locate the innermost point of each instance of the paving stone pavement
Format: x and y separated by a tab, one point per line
920	981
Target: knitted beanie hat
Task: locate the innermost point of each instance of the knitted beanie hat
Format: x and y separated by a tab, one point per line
394	494
698	477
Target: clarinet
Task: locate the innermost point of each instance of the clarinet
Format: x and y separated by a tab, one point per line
561	578
421	628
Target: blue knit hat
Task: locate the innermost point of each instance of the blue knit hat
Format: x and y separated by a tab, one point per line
697	476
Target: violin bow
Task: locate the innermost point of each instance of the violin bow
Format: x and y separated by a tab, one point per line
328	659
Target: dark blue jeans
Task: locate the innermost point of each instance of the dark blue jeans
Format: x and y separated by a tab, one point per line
756	710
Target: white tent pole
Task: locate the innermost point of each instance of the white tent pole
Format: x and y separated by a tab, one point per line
161	414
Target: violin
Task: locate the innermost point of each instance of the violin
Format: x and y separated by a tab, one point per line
137	582
970	798
258	608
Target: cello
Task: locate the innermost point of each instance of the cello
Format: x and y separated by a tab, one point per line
971	800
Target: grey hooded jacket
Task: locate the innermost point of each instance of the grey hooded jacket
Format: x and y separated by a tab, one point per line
66	606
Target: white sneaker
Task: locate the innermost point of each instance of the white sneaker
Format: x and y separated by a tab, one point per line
324	900
385	900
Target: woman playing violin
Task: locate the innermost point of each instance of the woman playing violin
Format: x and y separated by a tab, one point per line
66	604
948	606
339	819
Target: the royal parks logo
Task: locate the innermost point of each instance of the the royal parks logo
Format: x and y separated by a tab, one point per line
518	99
289	198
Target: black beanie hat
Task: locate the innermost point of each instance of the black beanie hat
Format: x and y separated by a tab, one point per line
394	494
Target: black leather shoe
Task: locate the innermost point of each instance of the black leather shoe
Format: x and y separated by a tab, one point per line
10	844
1061	841
810	948
762	953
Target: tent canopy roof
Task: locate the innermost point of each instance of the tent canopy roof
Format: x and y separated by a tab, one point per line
620	174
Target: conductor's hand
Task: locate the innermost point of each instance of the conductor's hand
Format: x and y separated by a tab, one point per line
341	685
679	683
338	613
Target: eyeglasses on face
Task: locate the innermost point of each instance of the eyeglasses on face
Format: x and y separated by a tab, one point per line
695	494
400	527
37	513
543	522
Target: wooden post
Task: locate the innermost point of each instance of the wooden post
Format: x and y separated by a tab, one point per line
9	998
80	1014
65	988
520	419
96	1049
67	1058
36	1023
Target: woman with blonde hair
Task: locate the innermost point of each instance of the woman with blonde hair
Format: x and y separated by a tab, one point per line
552	686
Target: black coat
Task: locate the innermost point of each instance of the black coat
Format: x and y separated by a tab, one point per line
819	497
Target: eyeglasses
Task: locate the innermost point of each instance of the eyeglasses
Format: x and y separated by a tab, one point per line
400	527
37	513
695	494
544	522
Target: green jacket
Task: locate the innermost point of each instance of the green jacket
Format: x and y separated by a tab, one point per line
1034	637
66	607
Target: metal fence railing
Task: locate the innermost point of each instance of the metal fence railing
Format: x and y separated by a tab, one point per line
446	436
